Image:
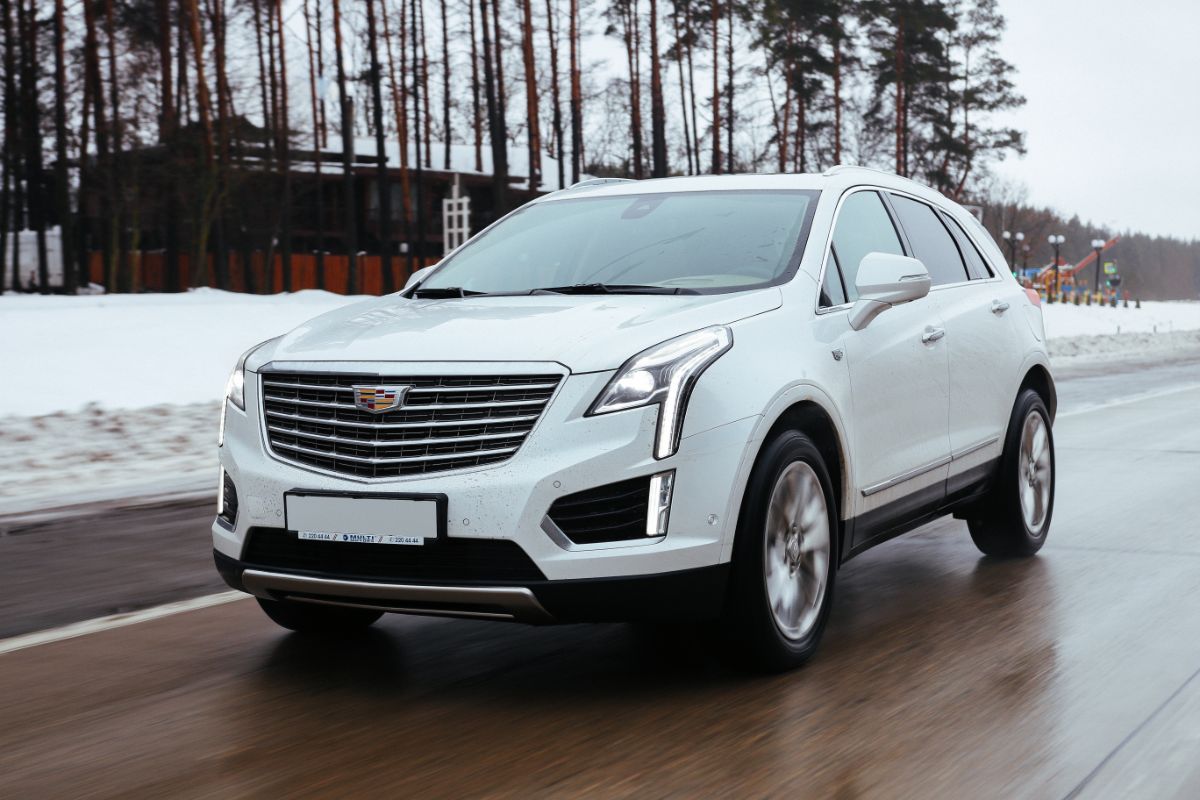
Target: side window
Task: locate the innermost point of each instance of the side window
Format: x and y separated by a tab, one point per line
930	241
832	291
977	268
863	226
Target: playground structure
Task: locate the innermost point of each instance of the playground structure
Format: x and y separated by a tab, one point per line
1075	282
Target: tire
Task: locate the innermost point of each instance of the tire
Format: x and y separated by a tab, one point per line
785	557
320	620
1015	517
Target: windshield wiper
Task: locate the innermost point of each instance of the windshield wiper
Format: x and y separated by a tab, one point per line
613	288
443	292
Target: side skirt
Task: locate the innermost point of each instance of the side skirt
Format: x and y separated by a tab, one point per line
902	515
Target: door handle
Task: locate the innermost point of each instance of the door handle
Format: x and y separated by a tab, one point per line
932	335
999	307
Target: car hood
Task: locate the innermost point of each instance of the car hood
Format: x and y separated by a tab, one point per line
585	333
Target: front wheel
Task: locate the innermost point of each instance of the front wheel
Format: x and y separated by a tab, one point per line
785	557
320	620
1015	518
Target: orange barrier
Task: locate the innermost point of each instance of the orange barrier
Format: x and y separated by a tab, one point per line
150	272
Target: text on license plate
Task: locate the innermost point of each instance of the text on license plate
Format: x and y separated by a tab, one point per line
359	538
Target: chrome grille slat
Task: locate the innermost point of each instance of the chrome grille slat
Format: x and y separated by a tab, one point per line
407	425
401	460
453	421
487	437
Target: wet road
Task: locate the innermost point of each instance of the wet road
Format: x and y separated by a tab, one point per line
941	674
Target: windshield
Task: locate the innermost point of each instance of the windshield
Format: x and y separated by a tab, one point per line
687	241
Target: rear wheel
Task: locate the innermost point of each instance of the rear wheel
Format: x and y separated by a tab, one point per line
1015	518
785	557
323	620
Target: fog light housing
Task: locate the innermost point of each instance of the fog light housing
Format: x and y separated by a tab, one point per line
227	500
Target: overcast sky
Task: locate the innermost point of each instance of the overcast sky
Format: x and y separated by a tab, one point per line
1113	112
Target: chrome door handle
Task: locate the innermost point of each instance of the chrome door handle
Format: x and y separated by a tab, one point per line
932	335
999	307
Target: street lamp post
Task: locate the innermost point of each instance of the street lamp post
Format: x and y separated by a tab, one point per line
1098	246
1056	241
1013	240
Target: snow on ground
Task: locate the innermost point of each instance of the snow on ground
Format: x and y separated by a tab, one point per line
116	396
132	351
1063	320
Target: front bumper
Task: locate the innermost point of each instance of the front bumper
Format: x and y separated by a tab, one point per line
566	452
684	595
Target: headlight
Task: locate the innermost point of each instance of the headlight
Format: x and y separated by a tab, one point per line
664	374
235	388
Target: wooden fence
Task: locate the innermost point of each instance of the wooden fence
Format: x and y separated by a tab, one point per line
150	274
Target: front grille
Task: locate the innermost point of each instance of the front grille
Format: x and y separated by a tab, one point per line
487	560
610	513
444	423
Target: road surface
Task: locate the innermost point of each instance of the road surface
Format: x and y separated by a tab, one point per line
942	673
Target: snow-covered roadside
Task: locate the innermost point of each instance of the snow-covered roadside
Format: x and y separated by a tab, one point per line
133	351
68	458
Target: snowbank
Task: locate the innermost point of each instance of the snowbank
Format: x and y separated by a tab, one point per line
1063	320
134	351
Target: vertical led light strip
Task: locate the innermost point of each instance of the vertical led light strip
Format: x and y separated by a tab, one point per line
658	510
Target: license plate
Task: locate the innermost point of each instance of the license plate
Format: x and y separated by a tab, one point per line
362	520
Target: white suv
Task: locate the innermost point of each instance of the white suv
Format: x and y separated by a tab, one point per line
690	398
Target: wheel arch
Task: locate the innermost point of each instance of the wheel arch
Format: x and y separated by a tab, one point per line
809	410
1038	378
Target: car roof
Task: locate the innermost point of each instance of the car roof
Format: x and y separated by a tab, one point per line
835	180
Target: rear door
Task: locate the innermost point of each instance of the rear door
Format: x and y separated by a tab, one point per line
978	313
899	375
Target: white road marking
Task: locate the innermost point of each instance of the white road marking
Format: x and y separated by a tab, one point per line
1124	401
116	621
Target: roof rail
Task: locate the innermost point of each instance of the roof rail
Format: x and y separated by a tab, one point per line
584	184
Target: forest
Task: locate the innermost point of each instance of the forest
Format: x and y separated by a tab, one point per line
198	129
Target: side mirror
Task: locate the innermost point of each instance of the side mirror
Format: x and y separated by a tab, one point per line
417	277
885	280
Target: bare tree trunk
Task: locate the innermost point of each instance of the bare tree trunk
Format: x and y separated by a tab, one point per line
576	97
496	132
445	88
476	115
400	106
347	105
531	98
901	101
31	117
683	106
206	192
11	146
556	105
629	14
424	73
837	90
317	141
121	207
501	86
267	108
691	71
61	179
420	84
729	117
216	15
285	155
166	136
383	184
92	70
658	122
716	87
